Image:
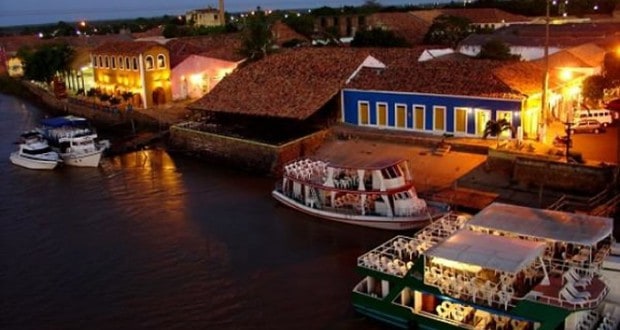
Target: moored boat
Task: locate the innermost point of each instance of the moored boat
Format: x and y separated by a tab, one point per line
75	140
34	153
508	267
371	193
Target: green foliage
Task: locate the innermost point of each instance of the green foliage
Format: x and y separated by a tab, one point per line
43	63
496	128
593	87
377	37
256	38
496	50
448	31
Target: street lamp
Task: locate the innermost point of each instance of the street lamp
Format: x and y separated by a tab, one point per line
543	115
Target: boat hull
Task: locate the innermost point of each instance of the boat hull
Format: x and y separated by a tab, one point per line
82	160
372	221
32	164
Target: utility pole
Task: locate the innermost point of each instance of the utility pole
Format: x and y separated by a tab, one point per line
544	102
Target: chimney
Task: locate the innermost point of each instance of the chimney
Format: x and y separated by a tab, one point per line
222	17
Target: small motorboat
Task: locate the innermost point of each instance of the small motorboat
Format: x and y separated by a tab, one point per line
35	153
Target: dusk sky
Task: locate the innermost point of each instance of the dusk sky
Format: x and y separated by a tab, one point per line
22	12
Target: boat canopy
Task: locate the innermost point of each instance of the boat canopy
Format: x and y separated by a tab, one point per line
547	224
488	251
361	161
64	121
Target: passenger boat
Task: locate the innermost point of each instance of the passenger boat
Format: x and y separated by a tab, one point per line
34	153
75	140
507	267
371	193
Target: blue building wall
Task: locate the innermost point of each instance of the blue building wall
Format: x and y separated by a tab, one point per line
351	99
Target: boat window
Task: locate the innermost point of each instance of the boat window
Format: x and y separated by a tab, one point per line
37	151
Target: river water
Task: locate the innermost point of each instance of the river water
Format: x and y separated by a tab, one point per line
150	240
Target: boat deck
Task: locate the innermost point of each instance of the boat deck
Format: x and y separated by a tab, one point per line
463	197
550	294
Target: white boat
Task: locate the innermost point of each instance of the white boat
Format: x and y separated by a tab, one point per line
370	193
75	140
35	153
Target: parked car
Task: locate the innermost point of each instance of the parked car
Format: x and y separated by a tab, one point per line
587	126
603	116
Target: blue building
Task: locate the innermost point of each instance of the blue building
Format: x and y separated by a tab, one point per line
456	97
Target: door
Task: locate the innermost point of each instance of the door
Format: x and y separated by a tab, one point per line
418	114
362	113
482	117
460	120
381	114
439	119
401	116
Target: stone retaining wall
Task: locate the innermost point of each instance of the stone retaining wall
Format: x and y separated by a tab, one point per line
531	169
244	154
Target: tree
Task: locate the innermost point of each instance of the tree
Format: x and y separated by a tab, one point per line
611	69
496	128
448	30
593	88
256	37
43	63
496	50
377	37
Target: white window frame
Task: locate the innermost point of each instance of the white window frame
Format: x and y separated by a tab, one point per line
445	118
146	63
387	111
414	107
467	111
359	109
163	57
499	114
396	105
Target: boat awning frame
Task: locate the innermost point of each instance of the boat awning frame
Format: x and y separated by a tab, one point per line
574	228
499	253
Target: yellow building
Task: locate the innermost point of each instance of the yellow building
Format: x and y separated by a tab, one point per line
207	17
142	68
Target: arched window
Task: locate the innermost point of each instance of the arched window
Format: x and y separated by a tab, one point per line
120	63
99	61
127	64
93	59
149	62
135	63
106	62
113	62
161	61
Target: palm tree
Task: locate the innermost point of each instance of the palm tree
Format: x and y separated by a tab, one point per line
496	128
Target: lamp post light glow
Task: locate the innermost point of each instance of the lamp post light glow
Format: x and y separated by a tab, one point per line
543	115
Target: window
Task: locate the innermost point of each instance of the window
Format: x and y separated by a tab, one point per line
363	113
127	64
161	61
120	62
439	118
401	115
93	59
460	120
135	63
149	63
113	62
99	61
418	117
106	62
382	114
505	115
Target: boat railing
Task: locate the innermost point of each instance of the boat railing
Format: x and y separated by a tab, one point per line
395	257
565	300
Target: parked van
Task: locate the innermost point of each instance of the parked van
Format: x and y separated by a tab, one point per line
603	116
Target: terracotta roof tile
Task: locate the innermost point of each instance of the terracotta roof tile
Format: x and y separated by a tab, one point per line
469	77
475	15
124	47
292	84
154	32
180	49
405	25
220	46
284	33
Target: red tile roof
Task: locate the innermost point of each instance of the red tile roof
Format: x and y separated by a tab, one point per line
284	33
469	77
154	32
292	84
180	49
405	25
125	47
475	15
221	46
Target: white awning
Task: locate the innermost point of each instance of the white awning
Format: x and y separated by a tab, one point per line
488	251
553	225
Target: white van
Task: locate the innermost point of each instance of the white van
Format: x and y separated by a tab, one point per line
603	116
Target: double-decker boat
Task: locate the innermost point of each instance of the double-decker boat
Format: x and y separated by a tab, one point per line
372	193
74	139
507	267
